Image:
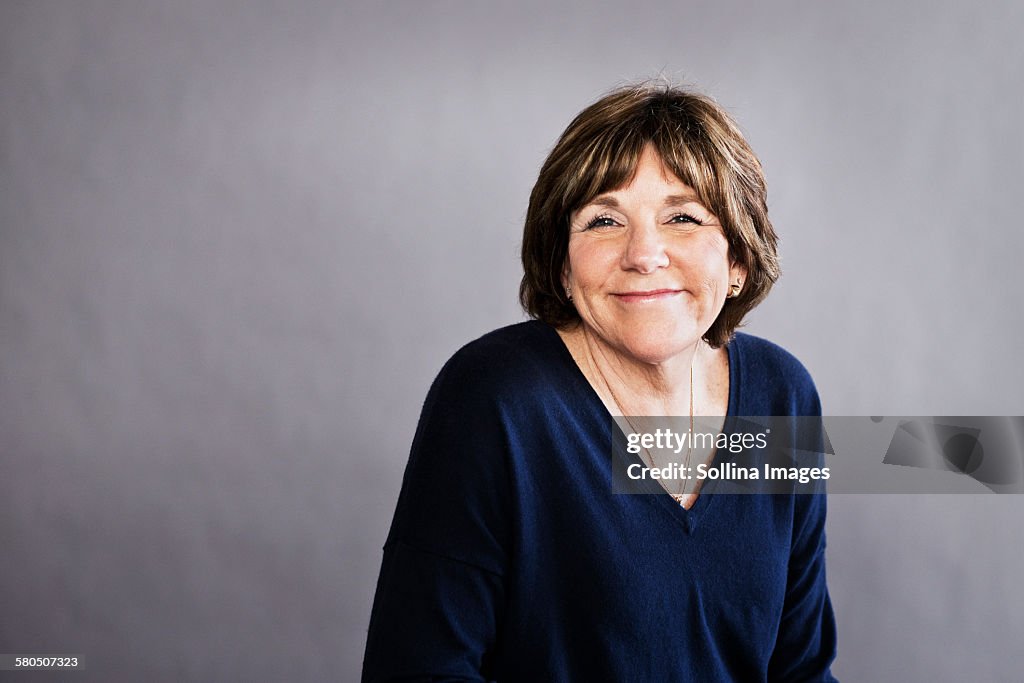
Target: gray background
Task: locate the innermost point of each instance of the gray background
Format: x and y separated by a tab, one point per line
240	238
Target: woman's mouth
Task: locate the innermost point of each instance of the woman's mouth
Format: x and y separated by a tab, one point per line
644	296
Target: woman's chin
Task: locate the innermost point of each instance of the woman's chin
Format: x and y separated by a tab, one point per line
654	351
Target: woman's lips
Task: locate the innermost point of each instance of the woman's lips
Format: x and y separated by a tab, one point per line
638	297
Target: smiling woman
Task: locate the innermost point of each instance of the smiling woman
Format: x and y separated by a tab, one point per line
646	241
649	266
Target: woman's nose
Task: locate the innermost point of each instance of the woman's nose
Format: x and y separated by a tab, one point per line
645	249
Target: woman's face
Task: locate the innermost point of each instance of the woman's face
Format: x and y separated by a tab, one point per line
649	265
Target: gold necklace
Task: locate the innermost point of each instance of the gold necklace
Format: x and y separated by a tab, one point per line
678	497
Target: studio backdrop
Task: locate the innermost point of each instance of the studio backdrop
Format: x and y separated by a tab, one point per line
239	239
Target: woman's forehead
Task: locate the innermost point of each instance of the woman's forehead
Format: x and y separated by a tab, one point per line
656	176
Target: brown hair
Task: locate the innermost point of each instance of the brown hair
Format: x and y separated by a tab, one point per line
599	152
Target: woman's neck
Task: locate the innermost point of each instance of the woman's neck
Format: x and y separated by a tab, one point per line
631	387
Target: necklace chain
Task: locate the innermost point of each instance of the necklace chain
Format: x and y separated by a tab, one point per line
678	497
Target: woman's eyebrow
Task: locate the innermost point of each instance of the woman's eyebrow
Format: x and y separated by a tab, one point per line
670	200
604	200
674	199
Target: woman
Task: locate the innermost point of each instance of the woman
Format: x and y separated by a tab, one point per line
646	242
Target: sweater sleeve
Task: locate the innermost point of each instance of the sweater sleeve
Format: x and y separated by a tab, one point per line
439	596
806	643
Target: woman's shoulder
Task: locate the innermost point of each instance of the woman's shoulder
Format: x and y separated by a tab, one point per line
772	378
507	360
511	346
765	355
530	335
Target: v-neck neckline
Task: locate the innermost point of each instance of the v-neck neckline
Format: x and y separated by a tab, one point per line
688	519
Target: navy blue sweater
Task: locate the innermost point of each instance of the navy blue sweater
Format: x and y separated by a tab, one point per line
510	559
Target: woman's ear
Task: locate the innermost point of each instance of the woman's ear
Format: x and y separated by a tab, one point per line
737	278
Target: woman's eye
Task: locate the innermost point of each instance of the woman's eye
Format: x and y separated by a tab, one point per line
685	218
601	222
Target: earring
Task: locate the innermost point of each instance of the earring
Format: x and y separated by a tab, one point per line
568	293
734	289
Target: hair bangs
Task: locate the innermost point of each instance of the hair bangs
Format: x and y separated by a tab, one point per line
609	166
688	160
